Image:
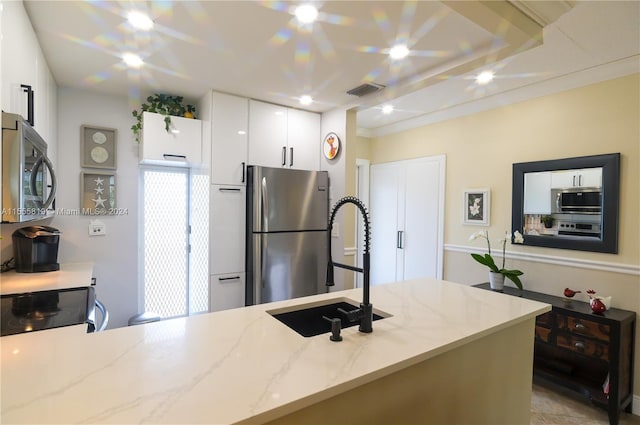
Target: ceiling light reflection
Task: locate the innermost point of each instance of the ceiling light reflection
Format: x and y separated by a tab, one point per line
306	13
484	77
132	60
399	51
387	109
140	20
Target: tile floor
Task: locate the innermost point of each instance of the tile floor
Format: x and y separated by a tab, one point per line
552	408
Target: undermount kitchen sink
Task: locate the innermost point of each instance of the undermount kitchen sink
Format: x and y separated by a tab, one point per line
308	320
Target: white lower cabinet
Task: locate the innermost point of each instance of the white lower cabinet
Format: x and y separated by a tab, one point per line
226	246
227	224
226	291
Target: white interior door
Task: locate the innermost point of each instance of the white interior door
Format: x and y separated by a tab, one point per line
423	220
407	215
384	179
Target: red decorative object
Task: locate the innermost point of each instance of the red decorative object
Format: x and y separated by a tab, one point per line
597	305
569	293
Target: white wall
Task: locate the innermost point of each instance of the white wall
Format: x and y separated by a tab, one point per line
115	255
336	121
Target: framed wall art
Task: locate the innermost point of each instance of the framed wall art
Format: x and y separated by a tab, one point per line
97	193
331	146
98	147
476	207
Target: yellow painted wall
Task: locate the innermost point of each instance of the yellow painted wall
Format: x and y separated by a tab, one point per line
480	150
356	148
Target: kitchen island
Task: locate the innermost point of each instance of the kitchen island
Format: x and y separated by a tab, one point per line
447	353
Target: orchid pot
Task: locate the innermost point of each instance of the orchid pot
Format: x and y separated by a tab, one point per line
496	274
496	281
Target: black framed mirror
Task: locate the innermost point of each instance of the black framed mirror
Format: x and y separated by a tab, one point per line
569	203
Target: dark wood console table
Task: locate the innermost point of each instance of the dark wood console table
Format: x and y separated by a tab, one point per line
587	354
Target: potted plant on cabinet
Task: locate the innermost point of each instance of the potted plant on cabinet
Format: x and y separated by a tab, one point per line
547	220
164	104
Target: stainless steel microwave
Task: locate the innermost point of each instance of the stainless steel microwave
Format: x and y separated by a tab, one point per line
576	201
28	179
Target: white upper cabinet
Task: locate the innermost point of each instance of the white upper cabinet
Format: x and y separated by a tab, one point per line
267	134
180	146
303	139
283	137
24	64
537	193
584	177
229	139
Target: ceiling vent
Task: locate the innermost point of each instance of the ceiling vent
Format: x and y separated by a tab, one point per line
365	89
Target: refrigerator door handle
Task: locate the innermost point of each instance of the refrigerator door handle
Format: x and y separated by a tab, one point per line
400	240
284	156
243	172
264	225
259	264
291	157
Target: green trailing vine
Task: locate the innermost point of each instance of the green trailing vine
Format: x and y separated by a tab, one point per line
164	104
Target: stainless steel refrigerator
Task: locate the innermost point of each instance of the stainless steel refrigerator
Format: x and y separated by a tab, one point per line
287	215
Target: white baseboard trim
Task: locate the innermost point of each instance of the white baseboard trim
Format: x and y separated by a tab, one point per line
631	269
635	404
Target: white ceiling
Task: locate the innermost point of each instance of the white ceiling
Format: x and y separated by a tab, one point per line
257	50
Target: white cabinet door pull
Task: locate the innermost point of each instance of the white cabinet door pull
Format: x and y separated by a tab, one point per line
224	279
173	156
400	239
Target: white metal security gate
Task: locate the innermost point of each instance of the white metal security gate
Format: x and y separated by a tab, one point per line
175	276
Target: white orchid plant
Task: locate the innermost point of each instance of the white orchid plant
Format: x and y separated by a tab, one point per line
487	259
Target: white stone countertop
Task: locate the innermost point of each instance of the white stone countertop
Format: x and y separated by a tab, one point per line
241	364
70	275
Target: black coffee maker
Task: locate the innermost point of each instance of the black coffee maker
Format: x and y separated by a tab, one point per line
35	249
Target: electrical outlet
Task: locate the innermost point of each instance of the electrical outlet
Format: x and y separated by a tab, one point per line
335	230
97	228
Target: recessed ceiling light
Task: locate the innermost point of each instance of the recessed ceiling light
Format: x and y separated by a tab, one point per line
132	60
140	20
399	51
306	13
387	109
306	100
242	132
484	77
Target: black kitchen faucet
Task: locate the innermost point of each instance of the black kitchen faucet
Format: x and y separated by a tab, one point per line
365	313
